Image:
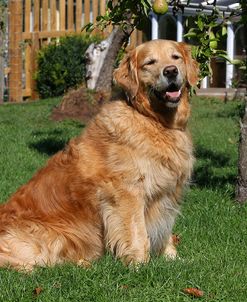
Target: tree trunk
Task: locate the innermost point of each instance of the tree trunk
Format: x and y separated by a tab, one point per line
101	59
105	76
95	57
241	189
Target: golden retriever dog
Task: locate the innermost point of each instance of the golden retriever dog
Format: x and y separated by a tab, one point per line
117	186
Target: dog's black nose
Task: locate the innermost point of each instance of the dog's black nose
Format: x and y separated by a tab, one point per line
170	71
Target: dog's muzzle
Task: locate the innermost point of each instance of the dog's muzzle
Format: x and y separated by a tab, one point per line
170	91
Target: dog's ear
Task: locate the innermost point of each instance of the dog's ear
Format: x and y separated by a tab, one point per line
192	67
126	74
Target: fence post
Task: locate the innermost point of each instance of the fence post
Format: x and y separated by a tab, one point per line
15	52
34	51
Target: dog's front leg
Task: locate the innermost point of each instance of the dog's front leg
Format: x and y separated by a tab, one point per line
125	229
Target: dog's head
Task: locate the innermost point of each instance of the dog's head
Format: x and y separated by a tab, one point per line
158	69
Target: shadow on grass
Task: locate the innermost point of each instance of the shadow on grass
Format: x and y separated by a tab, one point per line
213	169
235	112
217	159
49	142
48	146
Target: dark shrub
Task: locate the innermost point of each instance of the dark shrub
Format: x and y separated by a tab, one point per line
61	65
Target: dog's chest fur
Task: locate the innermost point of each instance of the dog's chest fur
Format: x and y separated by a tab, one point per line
147	155
154	162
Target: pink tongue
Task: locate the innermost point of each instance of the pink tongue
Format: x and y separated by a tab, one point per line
173	94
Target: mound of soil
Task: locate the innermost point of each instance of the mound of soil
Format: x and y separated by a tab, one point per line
79	104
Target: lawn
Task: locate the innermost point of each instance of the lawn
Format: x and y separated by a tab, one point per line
212	228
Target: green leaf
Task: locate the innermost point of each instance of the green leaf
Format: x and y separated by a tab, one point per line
224	56
109	5
224	30
190	35
88	27
200	24
236	62
146	6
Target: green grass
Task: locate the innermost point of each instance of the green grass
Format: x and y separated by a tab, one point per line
212	227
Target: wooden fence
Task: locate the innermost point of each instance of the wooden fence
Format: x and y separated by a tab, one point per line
33	23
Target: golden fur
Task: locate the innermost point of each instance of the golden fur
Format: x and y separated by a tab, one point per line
118	185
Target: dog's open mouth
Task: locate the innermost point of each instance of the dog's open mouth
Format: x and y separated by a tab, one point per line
171	94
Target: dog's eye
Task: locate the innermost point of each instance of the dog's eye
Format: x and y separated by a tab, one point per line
176	57
151	62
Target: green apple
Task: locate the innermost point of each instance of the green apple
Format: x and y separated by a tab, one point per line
160	7
213	41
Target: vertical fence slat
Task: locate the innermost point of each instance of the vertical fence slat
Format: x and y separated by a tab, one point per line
133	39
33	63
102	7
53	11
28	70
78	15
70	14
139	37
86	11
28	8
95	10
44	15
36	15
62	14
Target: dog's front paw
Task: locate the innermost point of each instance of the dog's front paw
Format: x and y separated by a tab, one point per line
170	251
84	263
135	260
